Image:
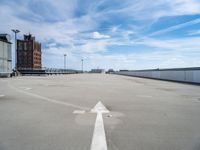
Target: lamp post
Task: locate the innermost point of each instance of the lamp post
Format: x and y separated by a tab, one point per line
82	65
65	61
15	31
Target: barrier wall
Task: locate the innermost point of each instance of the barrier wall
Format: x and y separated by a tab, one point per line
190	75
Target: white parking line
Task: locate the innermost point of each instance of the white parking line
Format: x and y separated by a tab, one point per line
144	96
28	88
48	99
78	111
99	137
1	95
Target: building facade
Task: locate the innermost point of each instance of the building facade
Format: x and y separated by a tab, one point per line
97	71
5	55
28	53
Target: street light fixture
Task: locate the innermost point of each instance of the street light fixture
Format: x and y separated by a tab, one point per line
15	31
65	61
82	64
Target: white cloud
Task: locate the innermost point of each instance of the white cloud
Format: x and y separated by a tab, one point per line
176	27
114	29
144	60
97	35
94	46
151	10
194	32
75	31
184	44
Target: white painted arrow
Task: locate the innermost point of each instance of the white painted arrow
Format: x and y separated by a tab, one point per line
99	137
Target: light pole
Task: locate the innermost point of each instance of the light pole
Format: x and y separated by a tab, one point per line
82	65
65	61
15	31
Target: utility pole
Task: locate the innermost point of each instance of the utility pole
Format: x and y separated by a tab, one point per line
15	31
65	61
82	65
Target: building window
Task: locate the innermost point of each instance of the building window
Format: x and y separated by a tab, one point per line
25	46
20	46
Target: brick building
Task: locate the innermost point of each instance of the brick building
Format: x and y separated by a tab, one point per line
28	53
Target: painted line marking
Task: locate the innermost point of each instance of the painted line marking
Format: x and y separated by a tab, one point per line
78	111
99	137
48	99
28	88
145	96
1	95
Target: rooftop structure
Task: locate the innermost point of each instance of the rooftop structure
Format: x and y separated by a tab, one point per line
5	55
28	53
97	71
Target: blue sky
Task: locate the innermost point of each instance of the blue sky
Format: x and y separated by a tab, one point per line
128	34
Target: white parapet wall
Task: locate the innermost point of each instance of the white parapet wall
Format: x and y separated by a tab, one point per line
190	75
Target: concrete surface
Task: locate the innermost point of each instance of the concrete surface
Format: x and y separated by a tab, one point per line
36	113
